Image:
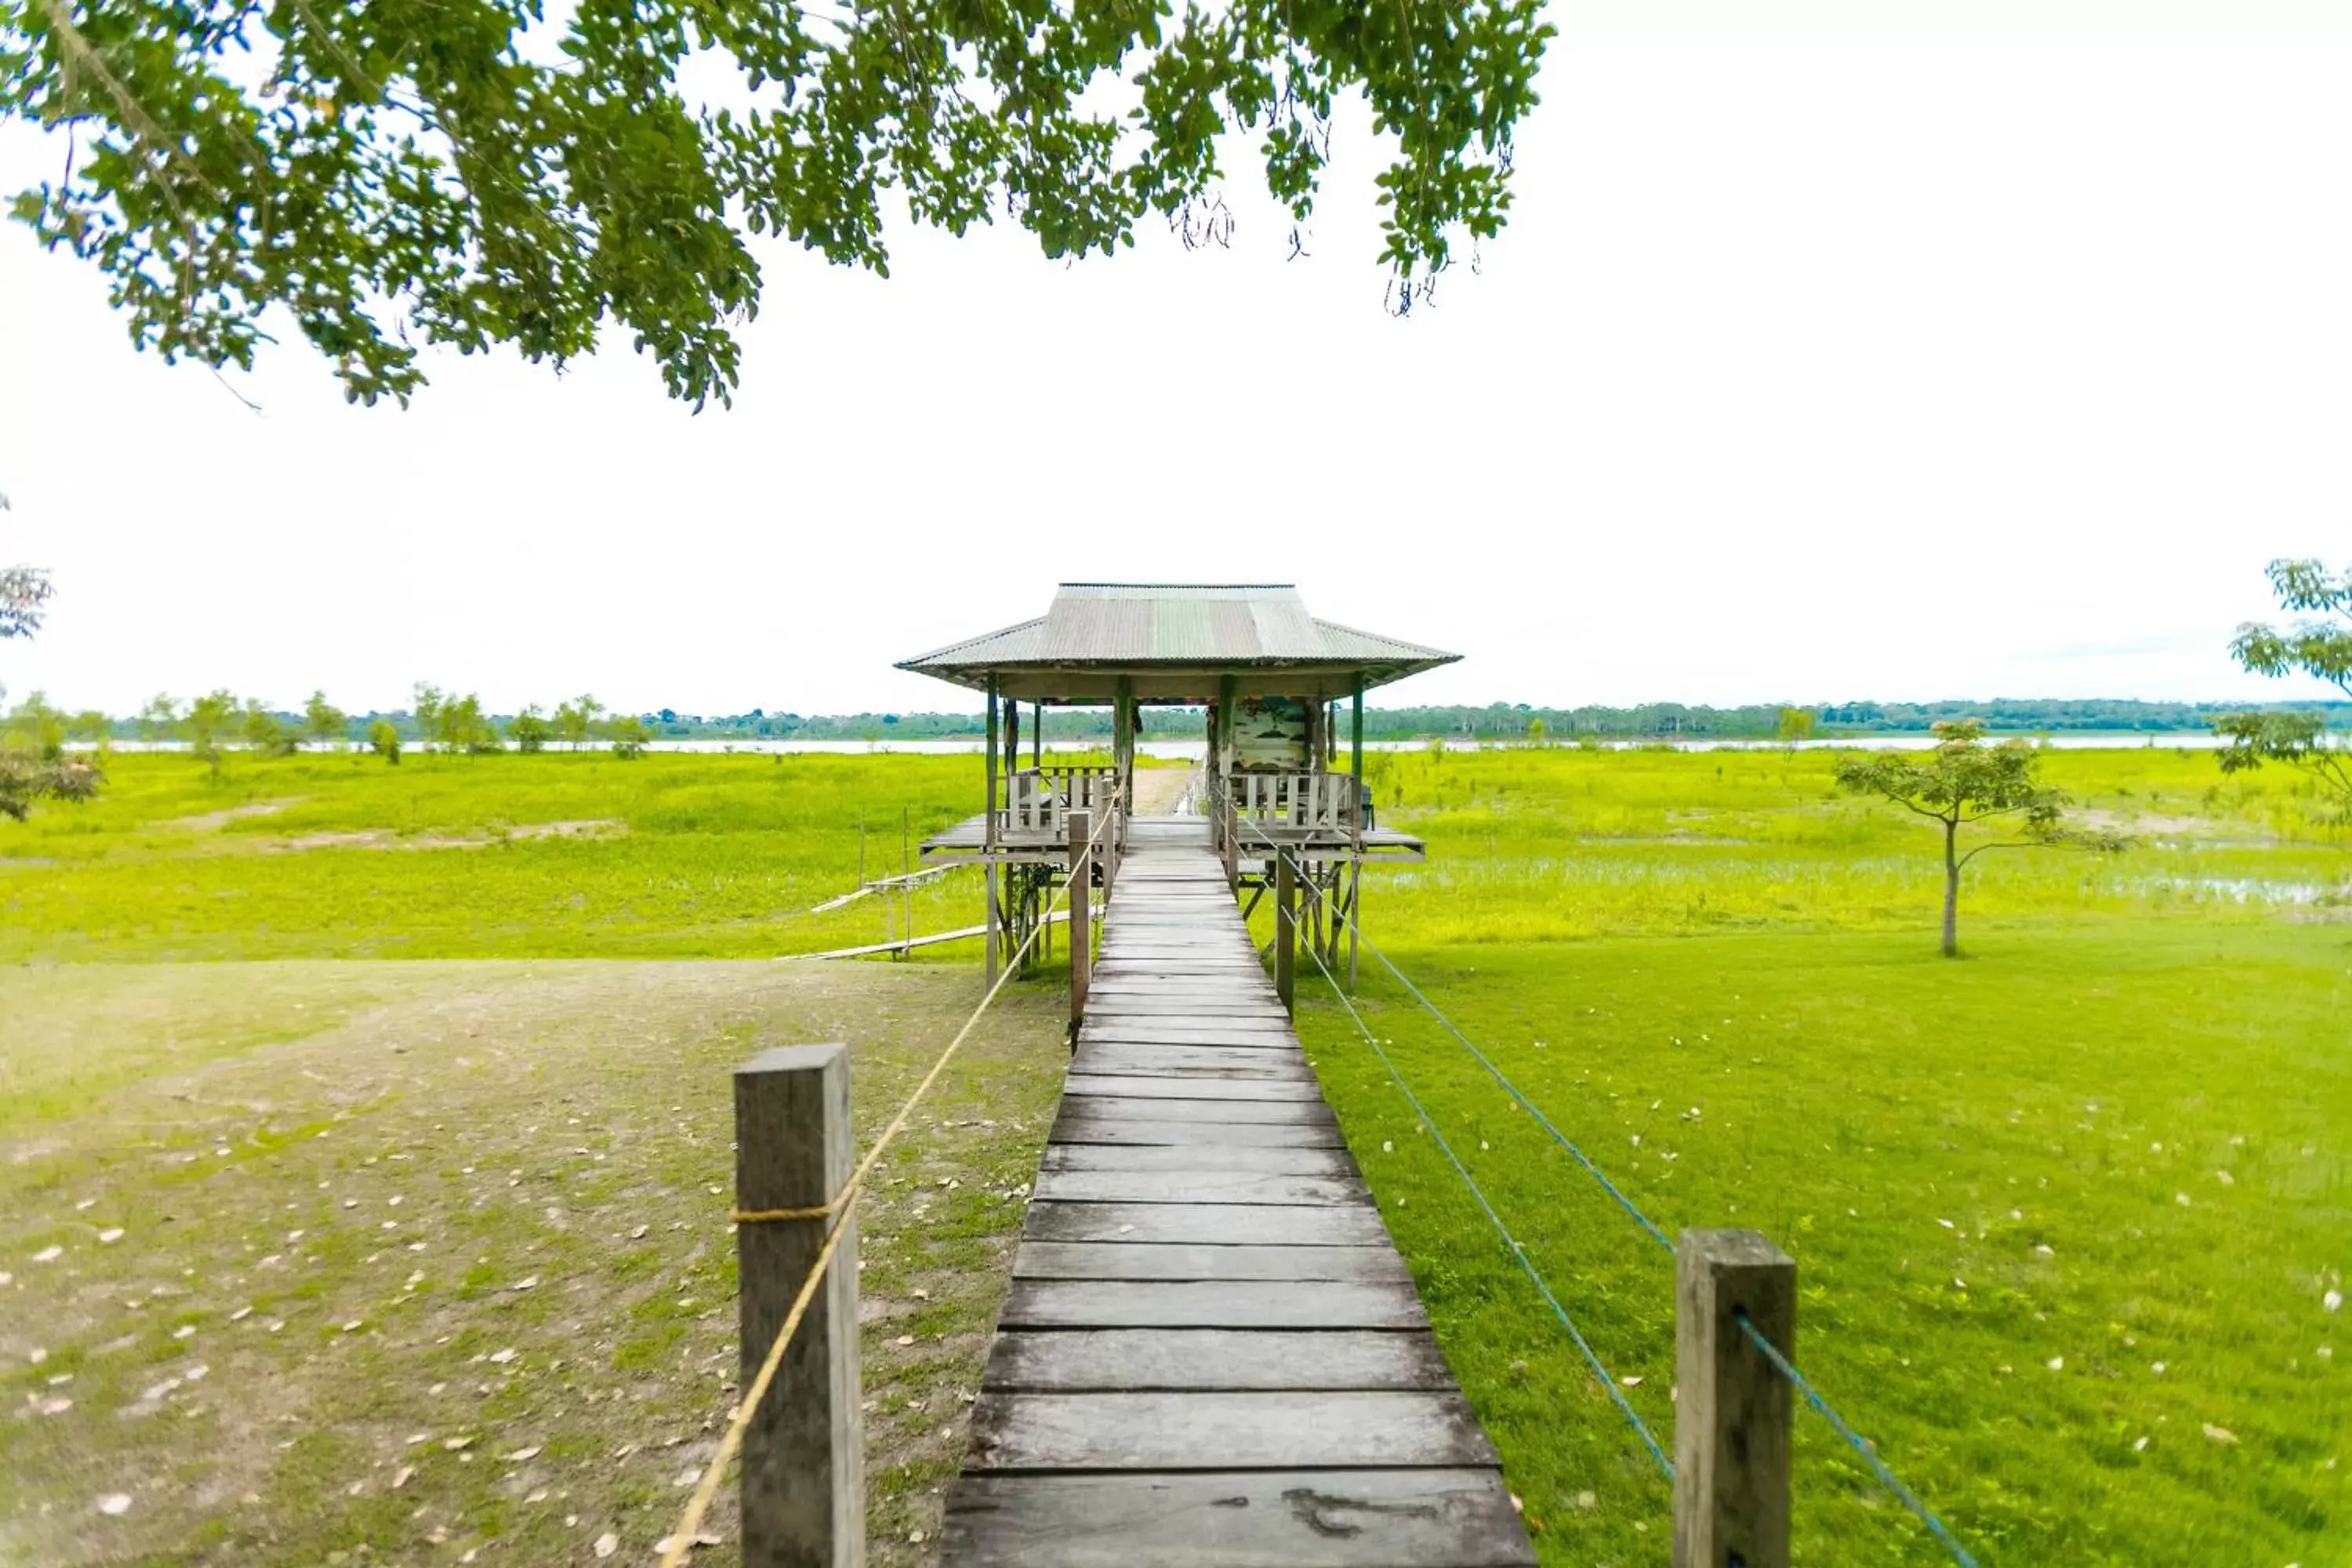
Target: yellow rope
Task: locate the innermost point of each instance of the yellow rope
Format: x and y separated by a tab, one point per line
764	1216
689	1523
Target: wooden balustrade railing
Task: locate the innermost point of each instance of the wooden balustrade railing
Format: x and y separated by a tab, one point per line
1038	800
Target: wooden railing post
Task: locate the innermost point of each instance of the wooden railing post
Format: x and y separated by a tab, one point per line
804	1461
1732	1408
1286	929
1081	929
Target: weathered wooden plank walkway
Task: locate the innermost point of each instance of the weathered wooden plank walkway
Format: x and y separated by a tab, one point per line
1212	1353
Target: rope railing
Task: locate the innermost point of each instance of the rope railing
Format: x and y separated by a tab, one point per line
834	1212
1779	1362
1518	1251
1861	1444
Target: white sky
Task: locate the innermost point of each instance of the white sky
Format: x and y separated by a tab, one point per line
1873	351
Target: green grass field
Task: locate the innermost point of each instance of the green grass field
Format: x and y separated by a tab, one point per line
2141	1066
667	855
1710	970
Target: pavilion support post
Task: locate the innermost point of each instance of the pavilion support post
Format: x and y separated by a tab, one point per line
1732	1408
1355	915
1221	782
1011	737
988	842
1123	734
1356	740
1285	931
1037	738
1081	916
1356	866
803	1465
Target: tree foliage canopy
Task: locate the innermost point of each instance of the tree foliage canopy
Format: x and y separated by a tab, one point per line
476	172
1961	780
2320	646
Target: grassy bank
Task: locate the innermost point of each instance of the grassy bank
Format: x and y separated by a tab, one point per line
2164	1110
2065	1213
443	856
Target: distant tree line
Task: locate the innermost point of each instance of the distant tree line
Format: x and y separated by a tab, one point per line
451	721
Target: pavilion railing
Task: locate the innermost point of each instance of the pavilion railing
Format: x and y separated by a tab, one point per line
1038	800
1309	804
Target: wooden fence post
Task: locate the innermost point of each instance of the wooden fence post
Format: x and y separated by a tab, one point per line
1732	1406
1285	928
803	1452
1081	916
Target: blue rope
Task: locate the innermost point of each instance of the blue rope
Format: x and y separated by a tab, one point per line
1510	1088
1518	1252
1787	1369
1886	1478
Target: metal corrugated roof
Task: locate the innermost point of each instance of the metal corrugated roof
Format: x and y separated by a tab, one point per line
1189	624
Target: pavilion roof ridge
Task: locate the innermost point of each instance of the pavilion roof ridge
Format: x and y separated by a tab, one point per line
1096	627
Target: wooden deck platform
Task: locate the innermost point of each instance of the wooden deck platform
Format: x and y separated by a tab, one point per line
1212	1353
965	843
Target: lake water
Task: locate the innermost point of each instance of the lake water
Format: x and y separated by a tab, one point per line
1193	751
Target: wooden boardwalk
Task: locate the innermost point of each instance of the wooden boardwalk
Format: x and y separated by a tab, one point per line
1212	1353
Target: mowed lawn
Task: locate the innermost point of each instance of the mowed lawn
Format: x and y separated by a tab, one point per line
2065	1217
2139	1067
2067	1213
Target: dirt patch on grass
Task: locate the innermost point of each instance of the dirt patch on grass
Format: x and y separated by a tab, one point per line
453	1267
214	821
388	838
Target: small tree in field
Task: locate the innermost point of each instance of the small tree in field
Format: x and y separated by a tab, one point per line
322	721
2319	645
462	726
384	740
206	723
576	721
1964	783
628	736
531	730
427	706
1796	724
33	761
264	733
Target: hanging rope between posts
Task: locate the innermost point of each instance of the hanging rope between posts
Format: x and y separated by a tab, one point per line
1518	1252
1797	1380
689	1524
1860	1444
1562	1139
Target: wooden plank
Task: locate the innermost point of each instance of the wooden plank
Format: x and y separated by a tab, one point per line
1118	1260
1274	1519
1288	1113
1211	1304
1143	1360
1332	1164
1185	1008
1189	1088
1268	1224
1225	1431
1195	1186
1076	1128
1258	1047
1163	1061
1192	1031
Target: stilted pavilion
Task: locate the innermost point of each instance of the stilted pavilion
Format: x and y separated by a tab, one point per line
1271	678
